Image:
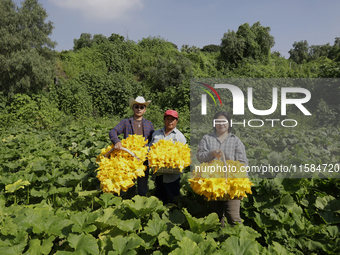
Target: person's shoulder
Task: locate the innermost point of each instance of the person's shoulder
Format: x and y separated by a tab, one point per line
233	136
147	121
178	132
158	131
209	136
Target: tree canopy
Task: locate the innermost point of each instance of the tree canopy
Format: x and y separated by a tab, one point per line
252	42
26	51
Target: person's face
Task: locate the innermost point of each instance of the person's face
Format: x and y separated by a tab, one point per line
139	109
222	127
170	122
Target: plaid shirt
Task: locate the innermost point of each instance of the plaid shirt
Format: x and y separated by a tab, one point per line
126	127
232	148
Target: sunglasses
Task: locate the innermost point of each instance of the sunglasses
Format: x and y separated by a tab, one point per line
139	107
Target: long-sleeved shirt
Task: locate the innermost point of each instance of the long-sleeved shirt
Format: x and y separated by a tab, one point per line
176	136
232	147
126	127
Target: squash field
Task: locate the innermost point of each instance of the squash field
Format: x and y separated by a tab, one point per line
50	201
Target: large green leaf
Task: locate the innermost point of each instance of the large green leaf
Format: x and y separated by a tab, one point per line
83	222
83	244
241	231
37	248
187	247
241	246
277	249
108	199
19	184
142	206
328	203
126	245
155	227
130	225
210	222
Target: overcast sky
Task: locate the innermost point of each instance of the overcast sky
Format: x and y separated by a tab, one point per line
194	22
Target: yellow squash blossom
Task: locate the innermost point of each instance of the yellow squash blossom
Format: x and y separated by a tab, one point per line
215	181
166	154
121	169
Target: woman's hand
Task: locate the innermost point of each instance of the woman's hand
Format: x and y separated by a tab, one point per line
217	153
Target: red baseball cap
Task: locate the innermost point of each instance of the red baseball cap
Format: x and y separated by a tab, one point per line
172	113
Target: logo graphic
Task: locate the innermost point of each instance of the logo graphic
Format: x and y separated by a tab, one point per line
239	103
204	96
238	99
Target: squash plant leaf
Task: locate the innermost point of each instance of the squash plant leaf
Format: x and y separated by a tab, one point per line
19	184
108	199
126	245
83	244
155	227
37	248
240	246
142	206
130	225
187	247
210	222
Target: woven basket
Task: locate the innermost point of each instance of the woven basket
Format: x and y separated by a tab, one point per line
166	170
107	155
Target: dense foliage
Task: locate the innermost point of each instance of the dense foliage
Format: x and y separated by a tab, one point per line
51	201
26	56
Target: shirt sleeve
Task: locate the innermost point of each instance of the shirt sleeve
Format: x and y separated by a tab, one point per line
116	131
150	136
240	152
181	138
203	151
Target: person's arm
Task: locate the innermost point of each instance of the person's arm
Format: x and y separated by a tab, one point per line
204	153
151	132
240	152
115	132
181	138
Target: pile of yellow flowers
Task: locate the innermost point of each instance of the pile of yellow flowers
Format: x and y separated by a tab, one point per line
120	170
166	154
212	182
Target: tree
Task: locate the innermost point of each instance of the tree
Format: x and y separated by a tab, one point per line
85	40
189	49
299	53
252	42
26	51
211	48
334	53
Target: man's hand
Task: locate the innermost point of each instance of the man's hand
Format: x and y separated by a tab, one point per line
217	153
118	146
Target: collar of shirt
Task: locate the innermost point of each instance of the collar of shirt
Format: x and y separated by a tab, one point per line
172	131
215	135
131	119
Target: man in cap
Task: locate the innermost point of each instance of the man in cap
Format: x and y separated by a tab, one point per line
135	125
167	184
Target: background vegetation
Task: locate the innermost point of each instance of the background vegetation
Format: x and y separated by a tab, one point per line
56	109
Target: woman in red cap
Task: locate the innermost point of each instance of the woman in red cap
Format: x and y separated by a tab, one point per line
167	184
